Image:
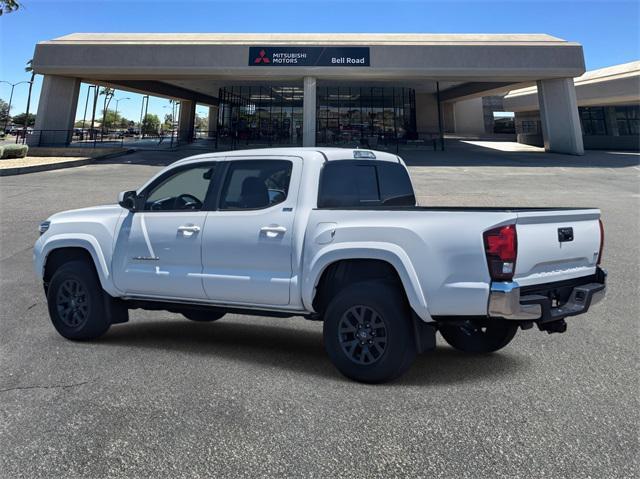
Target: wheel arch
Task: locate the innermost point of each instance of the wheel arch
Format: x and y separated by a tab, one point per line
378	260
57	251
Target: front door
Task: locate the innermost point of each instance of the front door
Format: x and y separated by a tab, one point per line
247	242
158	249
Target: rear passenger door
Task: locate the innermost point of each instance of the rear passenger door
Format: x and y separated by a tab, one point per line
247	241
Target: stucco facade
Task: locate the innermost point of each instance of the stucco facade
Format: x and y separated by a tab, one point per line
608	101
380	85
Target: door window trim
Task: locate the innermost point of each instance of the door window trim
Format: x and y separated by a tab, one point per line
210	199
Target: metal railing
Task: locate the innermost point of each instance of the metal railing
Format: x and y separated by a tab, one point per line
219	140
78	138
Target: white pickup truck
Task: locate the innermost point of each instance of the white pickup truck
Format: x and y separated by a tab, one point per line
328	234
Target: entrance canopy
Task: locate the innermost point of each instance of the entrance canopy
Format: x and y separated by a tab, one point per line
422	71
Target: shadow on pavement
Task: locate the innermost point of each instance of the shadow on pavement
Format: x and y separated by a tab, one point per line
300	351
459	153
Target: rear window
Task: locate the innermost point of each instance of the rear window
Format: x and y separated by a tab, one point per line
364	183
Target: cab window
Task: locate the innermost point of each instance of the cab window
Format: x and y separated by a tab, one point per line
251	185
184	190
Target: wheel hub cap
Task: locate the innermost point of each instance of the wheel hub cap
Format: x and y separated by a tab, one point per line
71	303
362	334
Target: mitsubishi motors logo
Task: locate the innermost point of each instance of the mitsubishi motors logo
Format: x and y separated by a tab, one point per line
262	57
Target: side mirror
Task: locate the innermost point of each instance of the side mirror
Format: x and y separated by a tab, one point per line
127	199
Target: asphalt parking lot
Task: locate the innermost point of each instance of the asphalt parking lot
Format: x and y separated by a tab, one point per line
253	396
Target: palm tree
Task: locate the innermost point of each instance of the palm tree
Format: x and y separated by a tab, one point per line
29	69
8	6
108	95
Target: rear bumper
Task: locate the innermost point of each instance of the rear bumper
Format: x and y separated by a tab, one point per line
546	302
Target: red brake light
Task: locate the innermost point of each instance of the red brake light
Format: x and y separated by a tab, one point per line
501	248
601	241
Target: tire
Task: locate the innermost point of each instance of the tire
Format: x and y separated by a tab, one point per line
77	303
201	315
355	323
479	338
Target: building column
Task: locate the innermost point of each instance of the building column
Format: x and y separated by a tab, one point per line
213	121
309	112
559	116
186	120
56	111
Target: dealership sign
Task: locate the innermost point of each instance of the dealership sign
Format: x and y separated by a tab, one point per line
309	56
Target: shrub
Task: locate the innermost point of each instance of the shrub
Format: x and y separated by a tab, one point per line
14	151
1	151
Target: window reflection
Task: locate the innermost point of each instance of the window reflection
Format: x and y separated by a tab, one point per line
365	116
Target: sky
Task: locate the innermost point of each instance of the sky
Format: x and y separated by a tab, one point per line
608	30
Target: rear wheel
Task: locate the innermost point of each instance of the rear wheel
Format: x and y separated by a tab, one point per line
201	315
77	302
479	337
368	334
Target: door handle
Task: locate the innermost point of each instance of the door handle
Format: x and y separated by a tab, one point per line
273	230
188	230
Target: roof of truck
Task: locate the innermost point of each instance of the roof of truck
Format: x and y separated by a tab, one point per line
307	153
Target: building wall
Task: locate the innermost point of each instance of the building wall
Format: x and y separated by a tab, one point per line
448	118
426	113
529	132
469	117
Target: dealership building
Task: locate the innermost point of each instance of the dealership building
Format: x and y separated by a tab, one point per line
608	106
317	89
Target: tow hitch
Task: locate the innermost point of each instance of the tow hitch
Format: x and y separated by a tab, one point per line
558	326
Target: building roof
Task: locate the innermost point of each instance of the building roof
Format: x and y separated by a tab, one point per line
614	85
615	72
310	39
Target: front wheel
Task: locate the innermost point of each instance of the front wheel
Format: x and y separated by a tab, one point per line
77	302
368	333
479	337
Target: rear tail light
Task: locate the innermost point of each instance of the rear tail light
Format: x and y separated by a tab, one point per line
501	248
601	242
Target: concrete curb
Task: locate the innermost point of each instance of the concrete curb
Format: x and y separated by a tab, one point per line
59	166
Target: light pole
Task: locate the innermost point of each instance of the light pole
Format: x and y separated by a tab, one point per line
13	85
86	104
118	100
145	99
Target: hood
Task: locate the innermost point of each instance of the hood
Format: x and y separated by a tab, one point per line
87	214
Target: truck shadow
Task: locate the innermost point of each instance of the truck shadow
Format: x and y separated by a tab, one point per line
300	350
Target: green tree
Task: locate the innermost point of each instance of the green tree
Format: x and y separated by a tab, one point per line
4	111
168	122
8	6
150	124
202	122
20	119
114	120
108	95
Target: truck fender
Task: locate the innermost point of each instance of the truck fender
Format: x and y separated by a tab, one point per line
84	241
388	252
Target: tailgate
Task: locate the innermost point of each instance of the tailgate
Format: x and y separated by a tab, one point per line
556	245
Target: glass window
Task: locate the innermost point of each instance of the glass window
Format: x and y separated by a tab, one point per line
184	190
353	183
628	120
395	185
256	184
592	120
364	115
